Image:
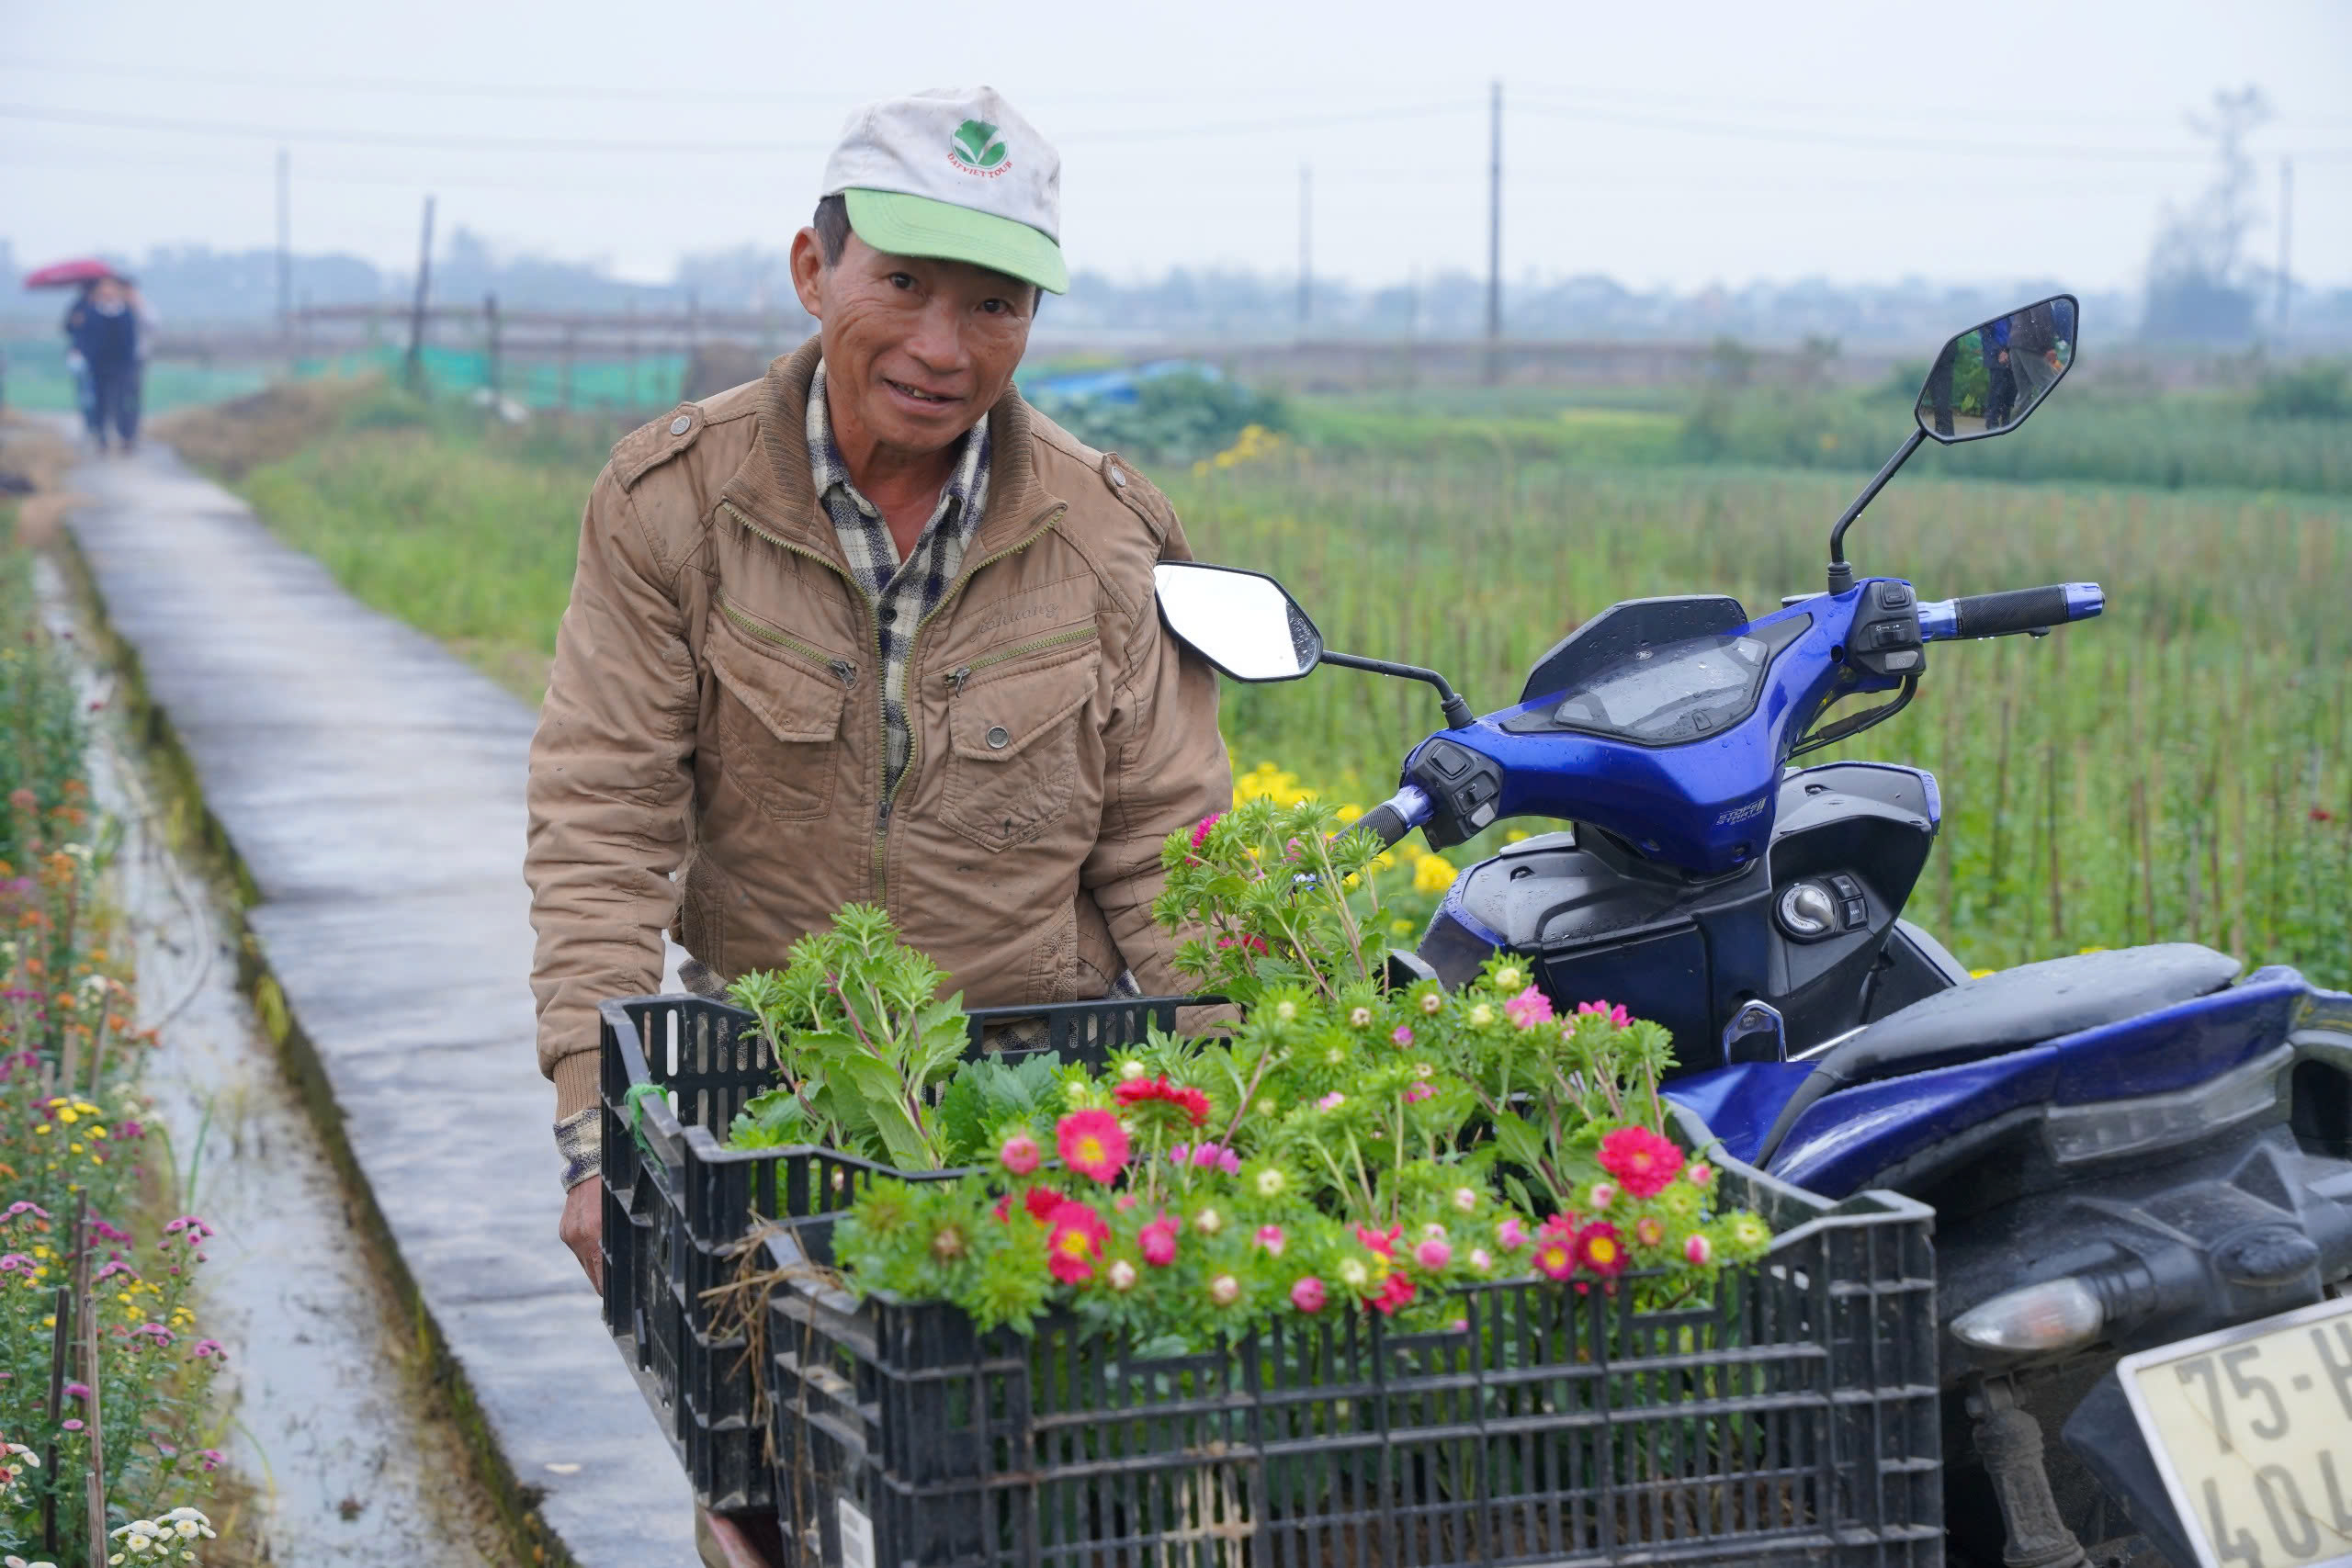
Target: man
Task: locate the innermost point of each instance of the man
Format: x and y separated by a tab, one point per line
870	628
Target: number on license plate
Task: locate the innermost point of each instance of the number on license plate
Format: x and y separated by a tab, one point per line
2252	1430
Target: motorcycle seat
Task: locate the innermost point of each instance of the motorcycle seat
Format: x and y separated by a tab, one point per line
2008	1011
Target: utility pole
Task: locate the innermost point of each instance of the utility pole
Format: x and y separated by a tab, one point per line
1495	240
2285	232
490	331
285	252
416	314
1305	247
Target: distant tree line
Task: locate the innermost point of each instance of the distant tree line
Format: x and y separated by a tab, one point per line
2189	299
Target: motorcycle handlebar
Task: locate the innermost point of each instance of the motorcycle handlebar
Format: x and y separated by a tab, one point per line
1396	817
2004	614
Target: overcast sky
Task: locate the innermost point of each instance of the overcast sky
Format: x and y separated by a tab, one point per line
1662	143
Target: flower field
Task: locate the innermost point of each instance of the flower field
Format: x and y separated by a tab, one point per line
107	1427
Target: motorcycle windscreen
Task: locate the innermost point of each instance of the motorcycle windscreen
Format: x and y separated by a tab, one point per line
1666	696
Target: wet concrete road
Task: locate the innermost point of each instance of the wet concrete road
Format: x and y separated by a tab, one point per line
373	787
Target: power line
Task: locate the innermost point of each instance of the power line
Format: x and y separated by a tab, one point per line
1944	114
390	138
541	91
43	115
1877	142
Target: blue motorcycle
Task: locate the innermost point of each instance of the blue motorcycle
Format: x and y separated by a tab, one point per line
2141	1160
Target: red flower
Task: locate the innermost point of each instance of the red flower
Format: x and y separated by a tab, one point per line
1598	1249
1092	1143
1382	1242
2322	813
1556	1257
1201	833
1157	1241
1076	1242
1395	1291
1041	1202
1191	1101
1644	1162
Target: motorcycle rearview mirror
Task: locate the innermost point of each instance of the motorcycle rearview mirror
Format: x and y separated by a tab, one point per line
1250	628
1987	379
1983	382
1244	623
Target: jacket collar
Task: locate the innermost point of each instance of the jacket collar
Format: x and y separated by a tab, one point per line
772	485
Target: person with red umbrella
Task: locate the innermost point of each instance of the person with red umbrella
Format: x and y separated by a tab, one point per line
103	327
104	352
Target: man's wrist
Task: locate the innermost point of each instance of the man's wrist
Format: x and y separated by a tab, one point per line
579	1142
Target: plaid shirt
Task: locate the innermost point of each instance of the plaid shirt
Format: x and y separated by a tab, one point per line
902	592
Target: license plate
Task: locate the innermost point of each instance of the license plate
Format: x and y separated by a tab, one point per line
2252	1431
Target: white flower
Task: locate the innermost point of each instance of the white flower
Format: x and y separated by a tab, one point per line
1131	1069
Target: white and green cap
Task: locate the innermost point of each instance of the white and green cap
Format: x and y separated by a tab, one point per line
953	172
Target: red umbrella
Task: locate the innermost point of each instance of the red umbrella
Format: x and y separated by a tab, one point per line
65	274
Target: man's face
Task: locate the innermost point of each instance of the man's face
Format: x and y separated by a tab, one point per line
108	292
916	350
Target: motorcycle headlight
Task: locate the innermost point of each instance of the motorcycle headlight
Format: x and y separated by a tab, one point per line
2112	1127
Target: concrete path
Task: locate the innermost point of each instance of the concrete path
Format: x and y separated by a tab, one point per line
372	785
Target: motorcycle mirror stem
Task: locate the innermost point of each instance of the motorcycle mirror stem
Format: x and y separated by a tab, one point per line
1841	571
1248	627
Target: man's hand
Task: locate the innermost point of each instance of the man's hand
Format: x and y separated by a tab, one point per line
582	1228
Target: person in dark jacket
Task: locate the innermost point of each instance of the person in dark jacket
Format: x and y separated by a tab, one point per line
85	394
104	331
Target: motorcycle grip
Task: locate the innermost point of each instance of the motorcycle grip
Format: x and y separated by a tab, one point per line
2018	610
1385	823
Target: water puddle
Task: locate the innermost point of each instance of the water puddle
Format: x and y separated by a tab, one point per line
332	1421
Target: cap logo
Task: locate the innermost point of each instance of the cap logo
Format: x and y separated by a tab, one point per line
977	149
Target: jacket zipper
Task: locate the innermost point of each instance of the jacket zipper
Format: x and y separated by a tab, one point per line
963	672
845	669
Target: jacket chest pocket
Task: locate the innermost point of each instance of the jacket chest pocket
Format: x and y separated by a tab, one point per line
779	711
1013	744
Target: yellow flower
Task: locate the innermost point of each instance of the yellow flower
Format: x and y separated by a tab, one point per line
1433	873
1978	974
69	1116
42	1131
1514	835
1400	928
1347	814
73	1148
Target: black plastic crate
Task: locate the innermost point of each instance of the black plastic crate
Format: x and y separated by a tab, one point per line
1793	1421
677	1205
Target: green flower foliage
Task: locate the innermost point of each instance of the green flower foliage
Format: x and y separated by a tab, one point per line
869	1055
1344	1147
